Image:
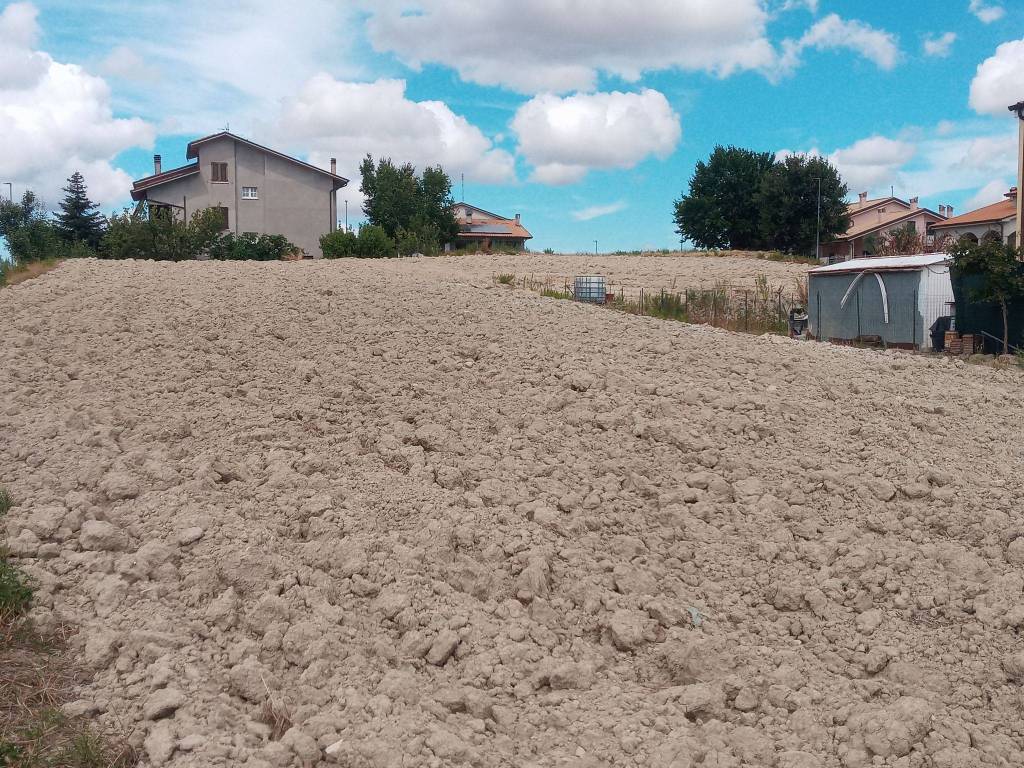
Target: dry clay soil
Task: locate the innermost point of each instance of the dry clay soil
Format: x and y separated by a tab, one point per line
629	273
342	514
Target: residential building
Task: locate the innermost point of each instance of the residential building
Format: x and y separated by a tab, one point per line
871	219
994	222
254	188
487	230
892	301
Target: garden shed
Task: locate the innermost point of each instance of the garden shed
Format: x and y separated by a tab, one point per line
892	301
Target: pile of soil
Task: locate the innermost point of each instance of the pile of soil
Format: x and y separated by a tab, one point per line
351	514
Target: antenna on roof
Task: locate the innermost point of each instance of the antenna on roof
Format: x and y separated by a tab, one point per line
227	128
892	191
463	186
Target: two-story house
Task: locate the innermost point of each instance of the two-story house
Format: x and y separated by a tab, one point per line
874	218
255	189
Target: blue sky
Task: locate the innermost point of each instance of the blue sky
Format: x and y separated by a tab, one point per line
585	116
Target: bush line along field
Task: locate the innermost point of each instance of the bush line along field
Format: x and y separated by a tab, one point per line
397	515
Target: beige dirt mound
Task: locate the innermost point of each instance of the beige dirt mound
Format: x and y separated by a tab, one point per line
366	514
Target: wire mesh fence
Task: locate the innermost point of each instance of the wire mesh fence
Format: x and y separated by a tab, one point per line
764	308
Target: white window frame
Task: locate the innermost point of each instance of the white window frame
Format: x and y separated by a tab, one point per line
255	193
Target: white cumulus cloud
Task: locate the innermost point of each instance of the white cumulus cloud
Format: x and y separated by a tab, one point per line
57	119
564	137
999	80
986	12
533	46
872	162
597	211
939	45
347	120
832	33
993	192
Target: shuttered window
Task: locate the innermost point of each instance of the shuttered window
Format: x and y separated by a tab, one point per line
219	172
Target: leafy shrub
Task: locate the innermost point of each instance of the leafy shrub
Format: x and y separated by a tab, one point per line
549	251
372	242
6	502
15	591
339	245
142	233
422	236
29	234
250	247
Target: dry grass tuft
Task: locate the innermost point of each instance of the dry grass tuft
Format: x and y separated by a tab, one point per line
38	678
28	271
275	714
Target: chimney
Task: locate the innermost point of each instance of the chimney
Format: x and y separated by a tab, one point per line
863	198
949	211
942	210
913	203
157	165
517	218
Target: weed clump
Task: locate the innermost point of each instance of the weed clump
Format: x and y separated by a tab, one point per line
506	278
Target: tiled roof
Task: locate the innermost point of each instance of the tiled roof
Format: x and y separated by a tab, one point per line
1004	209
486	224
140	186
193	152
881	221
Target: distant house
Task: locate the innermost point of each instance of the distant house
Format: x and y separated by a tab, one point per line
993	222
488	230
870	219
255	189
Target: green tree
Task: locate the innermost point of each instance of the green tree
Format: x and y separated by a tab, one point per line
79	221
1000	273
372	242
416	210
788	204
144	233
719	209
27	230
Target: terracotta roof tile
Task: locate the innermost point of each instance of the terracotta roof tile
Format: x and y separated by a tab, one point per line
990	213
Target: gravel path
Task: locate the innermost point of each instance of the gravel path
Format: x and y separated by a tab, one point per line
424	520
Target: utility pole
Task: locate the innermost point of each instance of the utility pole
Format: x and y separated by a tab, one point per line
1018	109
817	229
10	191
463	177
346	215
595	247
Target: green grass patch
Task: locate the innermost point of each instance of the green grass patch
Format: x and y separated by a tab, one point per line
506	278
553	293
15	589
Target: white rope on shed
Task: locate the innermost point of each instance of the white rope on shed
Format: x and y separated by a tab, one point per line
881	287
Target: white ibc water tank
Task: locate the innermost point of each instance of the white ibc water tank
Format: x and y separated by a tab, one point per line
590	288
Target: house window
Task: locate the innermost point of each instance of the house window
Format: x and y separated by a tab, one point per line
223	213
219	173
250	193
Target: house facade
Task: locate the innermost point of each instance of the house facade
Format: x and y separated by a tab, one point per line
254	188
486	230
870	219
993	222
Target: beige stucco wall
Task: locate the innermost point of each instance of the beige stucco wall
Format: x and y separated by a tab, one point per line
293	201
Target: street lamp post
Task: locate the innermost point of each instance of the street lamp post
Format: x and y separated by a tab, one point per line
1018	109
10	191
595	247
346	215
817	227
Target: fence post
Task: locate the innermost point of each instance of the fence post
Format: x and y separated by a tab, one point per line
913	320
858	313
818	295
